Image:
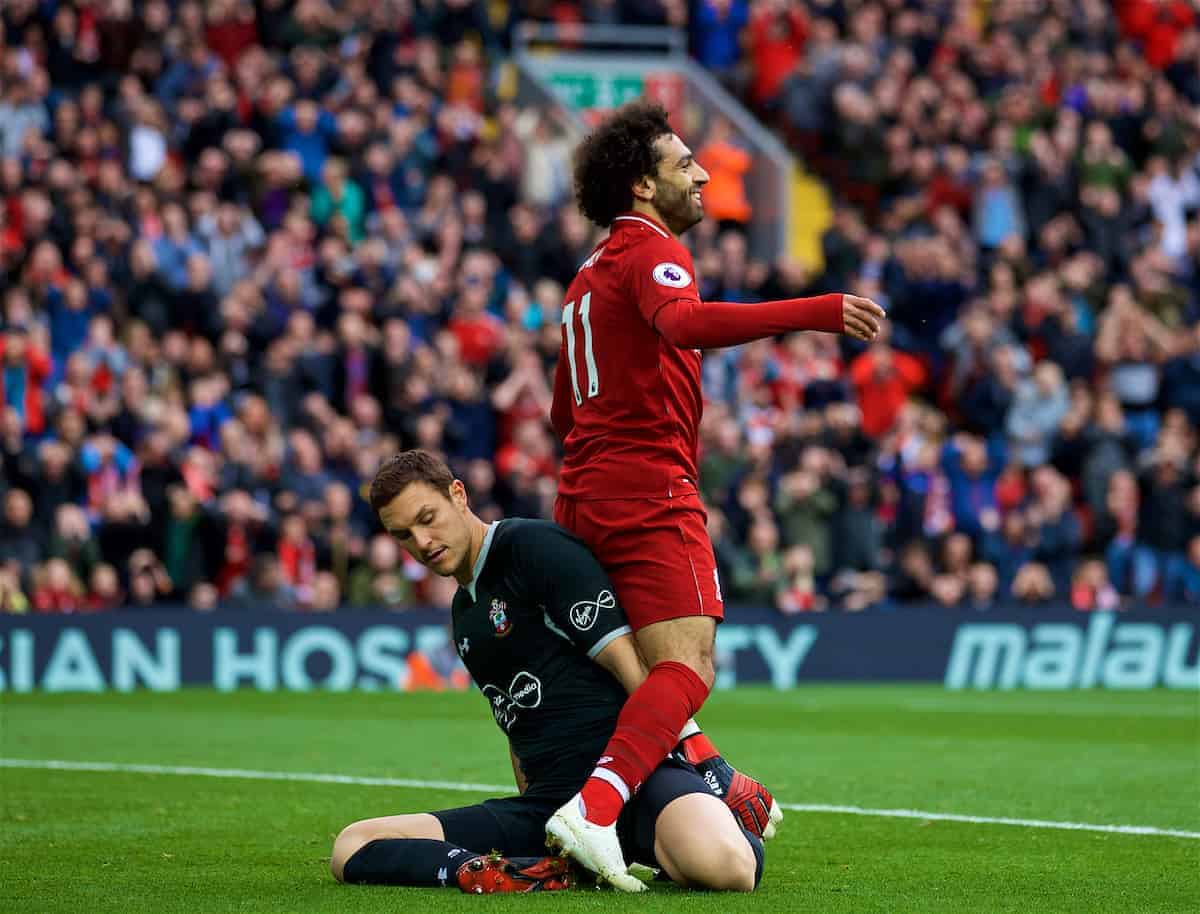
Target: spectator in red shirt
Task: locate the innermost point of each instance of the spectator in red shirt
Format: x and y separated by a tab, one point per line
10	238
24	368
297	557
230	29
105	591
480	333
522	395
951	185
57	589
1091	588
242	520
777	33
884	378
1158	24
531	452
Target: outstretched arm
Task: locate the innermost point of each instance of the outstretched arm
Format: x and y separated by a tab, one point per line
660	278
691	323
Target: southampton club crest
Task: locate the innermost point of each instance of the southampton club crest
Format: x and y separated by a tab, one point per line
500	618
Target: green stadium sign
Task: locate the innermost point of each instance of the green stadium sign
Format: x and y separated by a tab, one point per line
586	91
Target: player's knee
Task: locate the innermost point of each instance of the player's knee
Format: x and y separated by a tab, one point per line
737	867
689	641
703	661
726	864
700	661
349	841
705	667
702	664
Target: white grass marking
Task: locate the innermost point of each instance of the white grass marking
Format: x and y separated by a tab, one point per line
992	820
1011	709
313	778
244	773
922	705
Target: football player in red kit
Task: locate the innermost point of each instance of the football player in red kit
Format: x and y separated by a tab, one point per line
627	406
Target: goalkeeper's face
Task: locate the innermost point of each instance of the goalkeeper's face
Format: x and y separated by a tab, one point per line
677	185
432	526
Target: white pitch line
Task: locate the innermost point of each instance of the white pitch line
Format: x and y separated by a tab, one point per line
465	786
933	705
244	773
992	820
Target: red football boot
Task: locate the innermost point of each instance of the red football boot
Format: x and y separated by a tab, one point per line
492	874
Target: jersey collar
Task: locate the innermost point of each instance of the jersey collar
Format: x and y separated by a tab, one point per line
631	219
481	559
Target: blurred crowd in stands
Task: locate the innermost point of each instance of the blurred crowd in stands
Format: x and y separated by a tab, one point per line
249	249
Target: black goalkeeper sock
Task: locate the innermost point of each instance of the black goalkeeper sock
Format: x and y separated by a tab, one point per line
407	861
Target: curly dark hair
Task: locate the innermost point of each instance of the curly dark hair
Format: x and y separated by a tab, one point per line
400	470
614	156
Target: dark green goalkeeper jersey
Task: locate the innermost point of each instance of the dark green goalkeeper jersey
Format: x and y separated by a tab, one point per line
538	609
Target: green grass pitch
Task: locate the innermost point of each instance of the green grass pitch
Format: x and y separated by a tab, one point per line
92	842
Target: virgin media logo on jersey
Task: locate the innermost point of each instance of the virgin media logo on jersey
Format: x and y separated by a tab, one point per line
525	691
672	275
583	615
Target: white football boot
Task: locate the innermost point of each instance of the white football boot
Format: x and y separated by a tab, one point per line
592	846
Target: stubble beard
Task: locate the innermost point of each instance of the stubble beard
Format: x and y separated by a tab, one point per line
678	210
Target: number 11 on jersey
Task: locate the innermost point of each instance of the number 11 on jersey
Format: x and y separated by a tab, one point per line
568	319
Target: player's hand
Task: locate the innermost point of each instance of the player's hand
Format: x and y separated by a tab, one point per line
861	317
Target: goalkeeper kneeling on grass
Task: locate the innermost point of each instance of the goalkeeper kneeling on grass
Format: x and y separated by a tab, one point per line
537	625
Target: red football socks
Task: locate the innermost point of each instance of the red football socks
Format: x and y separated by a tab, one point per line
647	730
602	802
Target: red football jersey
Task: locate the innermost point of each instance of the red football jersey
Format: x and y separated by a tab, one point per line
627	403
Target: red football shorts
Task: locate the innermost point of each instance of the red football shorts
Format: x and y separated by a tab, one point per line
655	550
